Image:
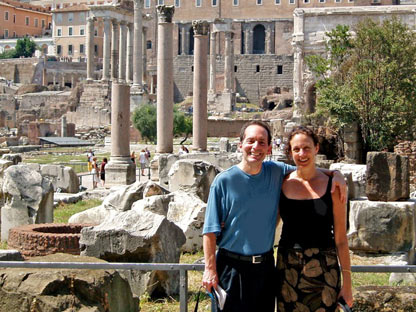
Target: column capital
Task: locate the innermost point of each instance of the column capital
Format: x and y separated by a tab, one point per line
123	23
91	19
201	27
114	21
165	13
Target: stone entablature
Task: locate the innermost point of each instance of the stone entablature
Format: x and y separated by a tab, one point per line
310	26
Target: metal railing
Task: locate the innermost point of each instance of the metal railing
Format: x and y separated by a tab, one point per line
182	268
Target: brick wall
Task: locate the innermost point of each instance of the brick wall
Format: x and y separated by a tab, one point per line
408	149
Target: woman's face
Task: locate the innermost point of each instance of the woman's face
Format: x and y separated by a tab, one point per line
303	150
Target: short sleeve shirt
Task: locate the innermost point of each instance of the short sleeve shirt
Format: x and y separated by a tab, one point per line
247	205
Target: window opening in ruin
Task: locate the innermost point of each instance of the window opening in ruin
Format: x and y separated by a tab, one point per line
191	43
277	2
279	69
198	3
43	23
235	2
306	1
27	20
6	16
321	1
59	32
70	49
70	17
243	45
147	4
148	44
192	68
291	1
81	49
14	34
82	31
6	33
95	49
14	18
70	31
177	3
259	36
58	49
235	68
259	2
161	2
179	41
95	32
257	68
214	2
337	1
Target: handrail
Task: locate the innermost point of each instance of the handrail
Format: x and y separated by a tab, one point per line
182	268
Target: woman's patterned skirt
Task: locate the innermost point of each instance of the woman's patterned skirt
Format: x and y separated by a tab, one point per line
307	280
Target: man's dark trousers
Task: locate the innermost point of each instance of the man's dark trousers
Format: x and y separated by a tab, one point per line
249	286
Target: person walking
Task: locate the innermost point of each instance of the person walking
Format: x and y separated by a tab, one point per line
143	161
102	170
94	172
308	273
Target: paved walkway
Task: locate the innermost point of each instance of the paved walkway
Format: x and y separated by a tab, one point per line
86	178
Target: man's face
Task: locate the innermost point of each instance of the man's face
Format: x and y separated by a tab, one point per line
255	146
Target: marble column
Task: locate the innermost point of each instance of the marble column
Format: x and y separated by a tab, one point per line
54	79
90	48
297	43
144	58
106	49
199	131
63	81
114	50
137	45
183	41
212	63
72	82
122	52
247	41
228	63
120	170
44	72
165	79
129	60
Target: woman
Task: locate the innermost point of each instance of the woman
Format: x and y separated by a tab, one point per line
143	161
313	239
102	170
94	172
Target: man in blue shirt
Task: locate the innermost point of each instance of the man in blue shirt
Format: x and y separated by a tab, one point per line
241	219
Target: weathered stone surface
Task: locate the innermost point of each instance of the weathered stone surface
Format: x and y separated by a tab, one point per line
14	158
358	177
188	212
152	189
158	204
192	175
384	227
387	176
51	290
28	199
132	236
10	255
224	145
384	299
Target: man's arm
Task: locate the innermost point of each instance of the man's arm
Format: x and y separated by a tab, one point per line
338	181
210	278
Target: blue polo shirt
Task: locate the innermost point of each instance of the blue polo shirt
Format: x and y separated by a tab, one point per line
247	205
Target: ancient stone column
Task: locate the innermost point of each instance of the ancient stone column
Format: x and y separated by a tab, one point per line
297	43
270	39
183	42
90	48
228	63
137	44
129	60
63	126
212	63
72	82
106	49
114	50
247	40
165	80
200	85
120	169
44	72
144	54
63	81
122	53
54	79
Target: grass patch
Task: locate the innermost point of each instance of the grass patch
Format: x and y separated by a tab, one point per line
63	212
3	245
367	279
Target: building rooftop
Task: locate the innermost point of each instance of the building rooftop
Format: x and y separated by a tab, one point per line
64	141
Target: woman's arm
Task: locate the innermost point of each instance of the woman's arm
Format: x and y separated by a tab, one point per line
341	242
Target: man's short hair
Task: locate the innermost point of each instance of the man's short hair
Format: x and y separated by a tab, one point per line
258	123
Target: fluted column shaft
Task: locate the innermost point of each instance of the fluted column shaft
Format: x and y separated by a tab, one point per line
90	48
106	49
228	63
165	80
212	63
114	50
137	44
129	60
144	57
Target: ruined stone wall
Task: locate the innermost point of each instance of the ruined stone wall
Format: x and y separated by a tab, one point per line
18	70
408	149
254	74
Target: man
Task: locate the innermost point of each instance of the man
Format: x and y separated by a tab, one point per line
241	218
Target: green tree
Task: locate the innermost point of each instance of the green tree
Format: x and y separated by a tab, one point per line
25	47
144	119
370	79
11	53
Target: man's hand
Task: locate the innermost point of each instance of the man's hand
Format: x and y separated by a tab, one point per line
210	279
338	181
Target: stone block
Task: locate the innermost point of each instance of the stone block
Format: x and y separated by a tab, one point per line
11	255
387	177
357	182
224	145
63	178
14	158
382	227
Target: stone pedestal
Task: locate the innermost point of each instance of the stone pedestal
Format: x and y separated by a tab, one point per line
120	169
225	102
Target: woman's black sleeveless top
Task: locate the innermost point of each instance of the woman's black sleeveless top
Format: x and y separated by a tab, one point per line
307	223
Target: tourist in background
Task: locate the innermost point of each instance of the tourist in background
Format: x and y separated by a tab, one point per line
102	170
90	155
143	161
133	157
308	273
94	172
183	150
